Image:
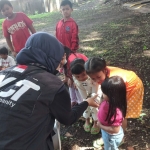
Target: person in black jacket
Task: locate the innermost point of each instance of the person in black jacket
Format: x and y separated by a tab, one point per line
32	97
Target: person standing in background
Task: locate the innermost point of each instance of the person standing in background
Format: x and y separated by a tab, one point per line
16	27
67	29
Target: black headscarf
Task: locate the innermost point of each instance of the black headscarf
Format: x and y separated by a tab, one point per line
41	48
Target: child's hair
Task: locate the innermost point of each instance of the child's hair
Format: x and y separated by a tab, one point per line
3	51
68	53
66	2
94	65
115	89
2	3
77	66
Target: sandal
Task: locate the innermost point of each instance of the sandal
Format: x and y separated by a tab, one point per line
95	130
87	127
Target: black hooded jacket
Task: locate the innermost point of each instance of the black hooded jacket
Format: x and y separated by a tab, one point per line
31	97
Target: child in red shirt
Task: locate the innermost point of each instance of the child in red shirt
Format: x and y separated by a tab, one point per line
15	27
67	29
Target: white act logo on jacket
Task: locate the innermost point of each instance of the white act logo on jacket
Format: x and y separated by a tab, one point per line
24	85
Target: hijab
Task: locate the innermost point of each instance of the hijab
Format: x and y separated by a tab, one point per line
43	49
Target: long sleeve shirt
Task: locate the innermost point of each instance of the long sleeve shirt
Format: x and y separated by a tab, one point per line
28	112
67	34
88	87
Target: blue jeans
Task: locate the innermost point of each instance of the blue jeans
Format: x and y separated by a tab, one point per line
112	142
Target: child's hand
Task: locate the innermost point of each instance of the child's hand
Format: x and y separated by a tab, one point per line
91	101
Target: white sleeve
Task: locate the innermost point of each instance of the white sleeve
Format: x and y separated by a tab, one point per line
11	62
96	89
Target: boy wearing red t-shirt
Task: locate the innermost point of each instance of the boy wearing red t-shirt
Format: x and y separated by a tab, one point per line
15	27
67	29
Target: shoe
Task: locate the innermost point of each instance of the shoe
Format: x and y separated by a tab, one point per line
87	127
95	130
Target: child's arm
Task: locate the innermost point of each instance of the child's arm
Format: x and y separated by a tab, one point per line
74	38
31	28
110	129
28	22
9	43
96	89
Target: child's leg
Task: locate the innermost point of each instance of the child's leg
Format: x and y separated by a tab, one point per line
112	142
86	115
95	129
105	137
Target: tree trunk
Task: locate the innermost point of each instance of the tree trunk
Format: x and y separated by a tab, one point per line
47	5
58	4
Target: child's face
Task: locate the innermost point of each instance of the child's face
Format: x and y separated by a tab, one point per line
98	77
3	56
81	77
66	11
7	11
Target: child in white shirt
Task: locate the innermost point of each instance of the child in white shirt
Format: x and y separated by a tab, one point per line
5	60
87	88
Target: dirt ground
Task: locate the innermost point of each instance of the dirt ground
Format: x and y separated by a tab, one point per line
121	36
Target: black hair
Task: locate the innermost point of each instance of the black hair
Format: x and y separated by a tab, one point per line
68	53
4	2
66	2
77	66
94	65
3	51
115	89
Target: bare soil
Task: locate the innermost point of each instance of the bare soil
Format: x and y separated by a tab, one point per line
122	37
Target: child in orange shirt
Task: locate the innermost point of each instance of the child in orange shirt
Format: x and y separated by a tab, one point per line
98	71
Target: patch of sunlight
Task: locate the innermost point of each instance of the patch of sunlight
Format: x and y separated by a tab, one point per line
94	33
87	48
100	52
140	6
91	39
133	30
40	24
76	147
126	43
147	53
